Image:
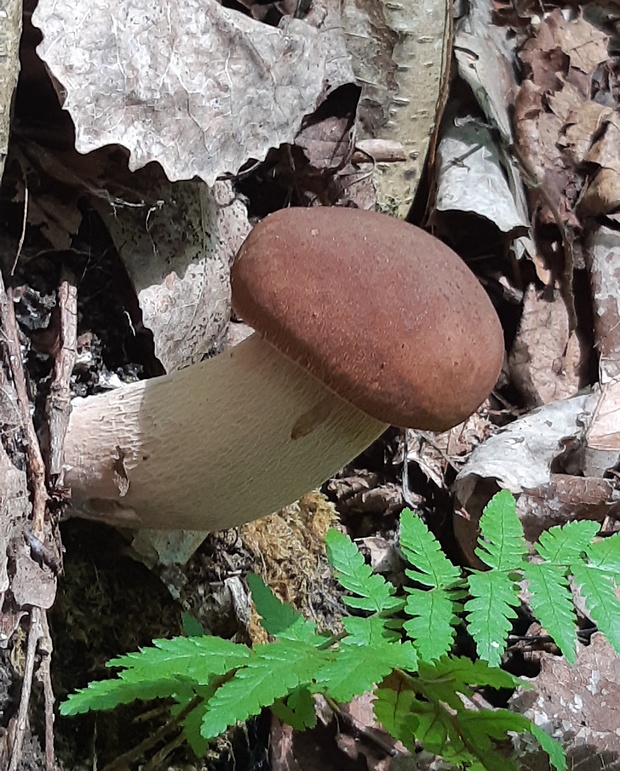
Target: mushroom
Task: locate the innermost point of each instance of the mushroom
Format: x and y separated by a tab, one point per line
361	321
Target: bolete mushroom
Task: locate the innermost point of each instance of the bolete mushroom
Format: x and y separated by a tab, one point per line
361	321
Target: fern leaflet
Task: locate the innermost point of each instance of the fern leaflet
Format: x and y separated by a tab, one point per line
271	672
598	591
431	567
489	611
297	709
431	625
502	545
352	573
552	603
278	618
605	555
168	668
563	545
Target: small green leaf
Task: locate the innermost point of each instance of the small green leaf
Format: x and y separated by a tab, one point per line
597	589
394	709
554	750
502	545
432	622
296	710
443	680
352	572
605	555
552	603
431	567
191	626
278	618
563	545
494	597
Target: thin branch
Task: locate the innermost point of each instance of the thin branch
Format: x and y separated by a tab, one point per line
36	467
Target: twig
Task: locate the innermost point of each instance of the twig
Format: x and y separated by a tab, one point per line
22	236
58	407
136	752
34	635
44	676
34	458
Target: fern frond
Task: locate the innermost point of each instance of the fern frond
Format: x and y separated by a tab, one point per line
431	626
502	545
107	694
296	710
357	669
369	630
442	680
597	589
278	618
563	545
352	573
193	657
431	567
168	668
552	603
394	709
489	611
271	672
605	555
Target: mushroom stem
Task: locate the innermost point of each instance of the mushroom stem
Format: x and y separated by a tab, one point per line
217	444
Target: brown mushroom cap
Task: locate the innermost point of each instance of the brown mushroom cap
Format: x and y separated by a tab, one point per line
387	316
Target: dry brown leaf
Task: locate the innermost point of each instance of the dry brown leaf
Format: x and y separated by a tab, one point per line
579	705
195	86
546	361
604	431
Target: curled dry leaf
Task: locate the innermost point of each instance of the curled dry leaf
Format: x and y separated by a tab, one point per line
519	457
177	246
471	177
195	86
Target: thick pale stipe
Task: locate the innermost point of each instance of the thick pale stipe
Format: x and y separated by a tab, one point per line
217	444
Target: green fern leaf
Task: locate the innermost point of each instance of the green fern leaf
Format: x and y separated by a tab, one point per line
369	630
271	672
563	545
297	710
278	618
167	668
357	669
479	727
442	680
494	597
478	730
598	591
394	709
192	721
605	555
431	567
555	751
432	622
107	694
352	573
552	603
195	658
502	545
